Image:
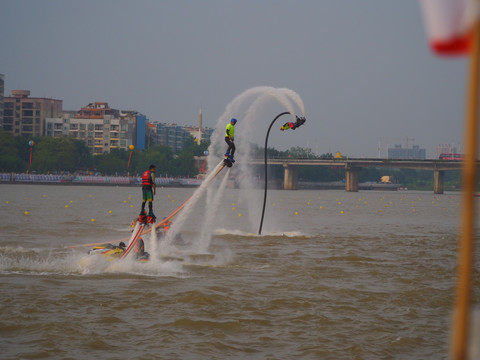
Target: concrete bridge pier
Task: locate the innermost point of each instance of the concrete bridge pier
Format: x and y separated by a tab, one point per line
290	177
438	176
351	174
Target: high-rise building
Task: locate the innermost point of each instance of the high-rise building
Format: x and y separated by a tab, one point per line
398	152
23	115
2	91
172	135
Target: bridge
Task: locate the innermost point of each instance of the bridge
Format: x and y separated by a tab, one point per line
352	168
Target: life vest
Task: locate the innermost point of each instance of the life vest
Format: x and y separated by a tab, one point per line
146	179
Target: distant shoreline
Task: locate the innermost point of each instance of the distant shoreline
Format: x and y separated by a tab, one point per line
42	179
90	180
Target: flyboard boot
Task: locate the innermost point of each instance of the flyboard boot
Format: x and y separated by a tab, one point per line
142	218
151	218
228	160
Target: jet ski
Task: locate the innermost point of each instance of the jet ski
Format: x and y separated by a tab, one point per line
116	251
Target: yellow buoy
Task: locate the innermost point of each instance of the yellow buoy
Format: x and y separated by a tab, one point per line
66	206
7	202
109	211
233	208
341	212
296	212
239	215
26	212
93	220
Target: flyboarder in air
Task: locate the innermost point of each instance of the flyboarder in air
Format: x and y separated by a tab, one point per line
229	139
293	125
148	190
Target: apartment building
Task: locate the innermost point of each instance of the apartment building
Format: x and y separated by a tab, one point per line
25	115
99	126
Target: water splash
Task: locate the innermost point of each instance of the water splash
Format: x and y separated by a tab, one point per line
167	247
214	197
153	244
247	107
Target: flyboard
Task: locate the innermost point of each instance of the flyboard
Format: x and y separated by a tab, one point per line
142	228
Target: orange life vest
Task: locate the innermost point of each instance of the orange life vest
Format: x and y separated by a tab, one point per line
146	179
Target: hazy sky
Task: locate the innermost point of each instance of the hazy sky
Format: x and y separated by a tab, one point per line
362	67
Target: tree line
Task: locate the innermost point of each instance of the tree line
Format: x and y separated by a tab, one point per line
66	154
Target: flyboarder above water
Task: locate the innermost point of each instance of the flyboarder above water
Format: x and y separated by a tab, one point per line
229	139
148	190
293	125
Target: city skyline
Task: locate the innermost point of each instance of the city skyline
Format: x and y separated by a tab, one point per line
387	148
364	71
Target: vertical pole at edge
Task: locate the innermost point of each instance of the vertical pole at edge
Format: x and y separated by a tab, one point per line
467	232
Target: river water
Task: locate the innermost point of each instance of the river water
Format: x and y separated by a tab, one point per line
367	275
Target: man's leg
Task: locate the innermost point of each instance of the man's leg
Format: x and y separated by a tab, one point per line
229	143
144	200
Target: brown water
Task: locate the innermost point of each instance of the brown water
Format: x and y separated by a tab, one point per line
366	275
